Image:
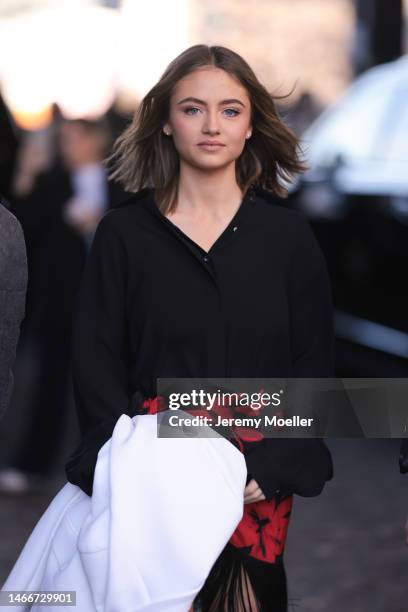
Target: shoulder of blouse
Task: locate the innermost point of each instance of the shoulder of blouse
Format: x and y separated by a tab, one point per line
293	227
123	217
274	210
134	198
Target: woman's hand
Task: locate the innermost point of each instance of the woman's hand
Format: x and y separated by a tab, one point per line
252	492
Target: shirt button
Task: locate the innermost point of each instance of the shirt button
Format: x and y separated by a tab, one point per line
205	258
234	229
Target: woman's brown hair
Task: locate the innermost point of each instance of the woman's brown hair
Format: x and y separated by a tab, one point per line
143	156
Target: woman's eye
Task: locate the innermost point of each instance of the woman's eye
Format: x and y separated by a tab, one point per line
231	110
189	109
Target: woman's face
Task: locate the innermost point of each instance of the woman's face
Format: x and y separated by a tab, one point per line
209	119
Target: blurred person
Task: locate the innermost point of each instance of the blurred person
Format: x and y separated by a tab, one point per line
82	147
35	156
23	156
199	274
58	215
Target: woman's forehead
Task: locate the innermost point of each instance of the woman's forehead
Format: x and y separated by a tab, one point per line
209	83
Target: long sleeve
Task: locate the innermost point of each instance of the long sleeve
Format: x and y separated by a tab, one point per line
311	309
99	350
302	465
13	278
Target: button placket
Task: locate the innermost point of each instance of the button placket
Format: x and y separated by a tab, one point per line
221	243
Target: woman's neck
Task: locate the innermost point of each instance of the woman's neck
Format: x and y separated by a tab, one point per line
208	193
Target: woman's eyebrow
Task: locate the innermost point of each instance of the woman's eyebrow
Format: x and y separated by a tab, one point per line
197	101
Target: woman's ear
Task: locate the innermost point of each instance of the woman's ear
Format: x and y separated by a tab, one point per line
167	129
249	133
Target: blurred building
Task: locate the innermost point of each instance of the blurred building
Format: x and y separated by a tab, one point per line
287	42
312	46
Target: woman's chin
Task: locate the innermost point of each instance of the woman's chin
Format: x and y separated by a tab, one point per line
208	163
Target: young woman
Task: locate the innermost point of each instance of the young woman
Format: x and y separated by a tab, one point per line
202	274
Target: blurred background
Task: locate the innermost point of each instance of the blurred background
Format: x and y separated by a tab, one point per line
71	75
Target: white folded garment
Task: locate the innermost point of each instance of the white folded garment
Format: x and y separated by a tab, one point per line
161	512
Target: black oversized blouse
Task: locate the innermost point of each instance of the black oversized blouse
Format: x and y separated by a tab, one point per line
153	304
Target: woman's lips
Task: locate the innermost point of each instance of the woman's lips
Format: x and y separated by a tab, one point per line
211	146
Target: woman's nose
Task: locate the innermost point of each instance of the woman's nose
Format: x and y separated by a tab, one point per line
210	125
